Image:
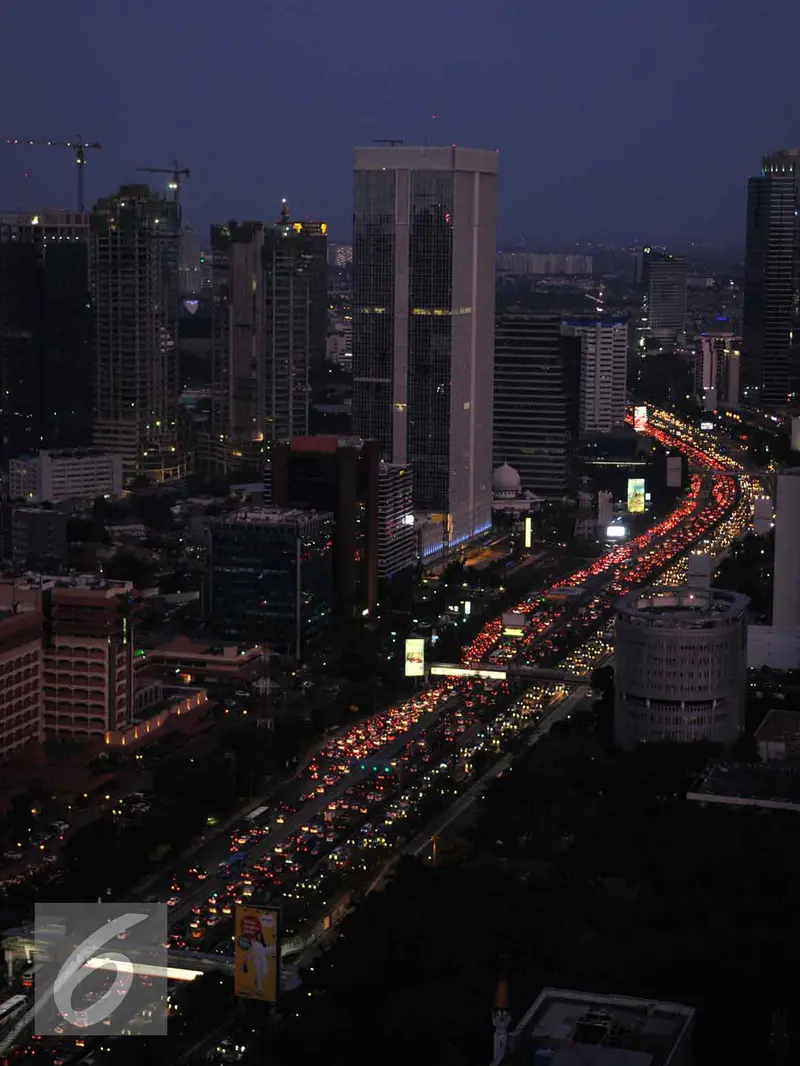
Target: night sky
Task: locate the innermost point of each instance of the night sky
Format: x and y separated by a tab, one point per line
615	120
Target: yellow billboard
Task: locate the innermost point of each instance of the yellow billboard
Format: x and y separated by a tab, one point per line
528	531
415	657
256	954
636	495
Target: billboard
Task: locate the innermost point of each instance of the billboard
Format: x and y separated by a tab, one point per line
415	657
674	471
528	531
636	495
639	419
616	532
256	953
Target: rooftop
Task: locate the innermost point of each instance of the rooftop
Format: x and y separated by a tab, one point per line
682	604
32	580
276	516
780	726
771	785
587	1029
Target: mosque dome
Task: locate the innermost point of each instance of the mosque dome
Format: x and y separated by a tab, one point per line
506	481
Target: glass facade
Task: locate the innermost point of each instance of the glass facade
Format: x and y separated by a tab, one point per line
373	306
272	577
45	332
429	349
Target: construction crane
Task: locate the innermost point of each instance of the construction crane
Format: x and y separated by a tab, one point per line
78	146
176	172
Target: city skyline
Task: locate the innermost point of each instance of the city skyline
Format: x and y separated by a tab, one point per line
609	150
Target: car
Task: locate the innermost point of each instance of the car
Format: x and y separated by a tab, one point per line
173	901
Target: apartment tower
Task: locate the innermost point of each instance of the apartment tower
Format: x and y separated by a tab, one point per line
423	321
134	271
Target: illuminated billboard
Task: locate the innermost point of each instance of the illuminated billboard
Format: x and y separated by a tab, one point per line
415	657
639	419
636	495
256	954
528	531
616	532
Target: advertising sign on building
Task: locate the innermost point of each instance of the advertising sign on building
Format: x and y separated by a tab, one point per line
415	657
674	471
639	419
636	497
256	954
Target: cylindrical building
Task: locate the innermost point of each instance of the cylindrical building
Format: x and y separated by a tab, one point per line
680	665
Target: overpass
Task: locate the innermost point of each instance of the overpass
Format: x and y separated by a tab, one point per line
502	671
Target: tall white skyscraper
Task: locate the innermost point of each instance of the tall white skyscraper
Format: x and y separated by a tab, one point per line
604	371
423	322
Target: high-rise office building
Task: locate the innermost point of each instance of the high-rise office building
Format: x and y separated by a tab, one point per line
272	577
296	320
134	272
786	572
771	315
238	355
269	329
535	400
664	278
397	538
423	320
45	332
340	475
603	371
716	370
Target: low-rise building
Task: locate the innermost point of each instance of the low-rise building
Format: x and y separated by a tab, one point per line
68	474
567	1028
88	650
38	538
203	663
20	679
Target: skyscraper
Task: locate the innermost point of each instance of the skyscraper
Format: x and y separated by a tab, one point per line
716	369
45	332
535	400
238	354
664	277
771	319
603	373
270	303
423	321
134	271
296	319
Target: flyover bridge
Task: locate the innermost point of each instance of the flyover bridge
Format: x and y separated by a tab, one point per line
503	671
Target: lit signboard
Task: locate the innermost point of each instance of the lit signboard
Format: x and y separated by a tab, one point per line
639	419
256	957
706	426
616	532
445	670
528	531
415	657
636	493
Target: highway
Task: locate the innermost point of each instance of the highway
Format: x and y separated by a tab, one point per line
389	783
